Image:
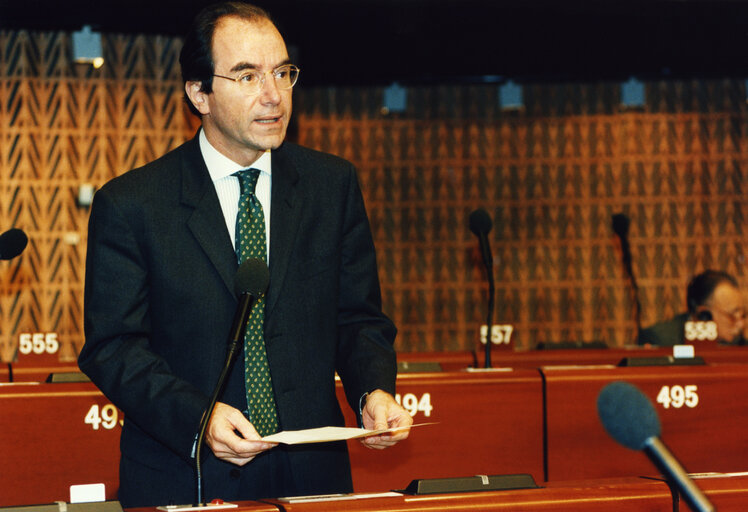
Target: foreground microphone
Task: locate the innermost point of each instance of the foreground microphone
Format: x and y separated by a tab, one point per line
250	284
630	419
12	243
480	225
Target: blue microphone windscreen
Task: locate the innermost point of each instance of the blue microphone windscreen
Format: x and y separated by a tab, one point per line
627	414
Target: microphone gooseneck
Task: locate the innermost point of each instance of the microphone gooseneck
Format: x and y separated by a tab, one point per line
630	418
620	224
250	283
12	243
480	225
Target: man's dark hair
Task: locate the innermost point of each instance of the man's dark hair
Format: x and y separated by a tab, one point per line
702	286
196	57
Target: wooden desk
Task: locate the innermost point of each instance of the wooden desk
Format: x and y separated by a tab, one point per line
631	494
727	492
40	373
531	359
710	352
487	423
46	444
449	361
705	431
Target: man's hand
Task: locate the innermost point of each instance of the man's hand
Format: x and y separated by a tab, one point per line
382	411
232	437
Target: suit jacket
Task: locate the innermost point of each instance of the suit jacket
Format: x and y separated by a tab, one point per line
666	333
159	303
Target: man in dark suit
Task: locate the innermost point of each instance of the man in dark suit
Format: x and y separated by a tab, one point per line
712	295
159	297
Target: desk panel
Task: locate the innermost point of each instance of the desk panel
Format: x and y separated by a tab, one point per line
703	423
46	444
487	423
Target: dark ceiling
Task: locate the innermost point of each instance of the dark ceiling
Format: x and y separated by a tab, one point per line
435	41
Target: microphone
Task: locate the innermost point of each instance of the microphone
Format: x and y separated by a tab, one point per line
12	243
620	225
250	283
480	225
630	418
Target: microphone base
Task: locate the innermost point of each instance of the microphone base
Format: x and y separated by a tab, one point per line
662	361
213	505
471	484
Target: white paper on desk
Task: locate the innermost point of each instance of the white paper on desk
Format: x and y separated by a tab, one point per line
326	434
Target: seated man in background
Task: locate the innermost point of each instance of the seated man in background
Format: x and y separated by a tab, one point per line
711	295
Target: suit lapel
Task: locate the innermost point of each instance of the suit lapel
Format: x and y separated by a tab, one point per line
206	222
284	220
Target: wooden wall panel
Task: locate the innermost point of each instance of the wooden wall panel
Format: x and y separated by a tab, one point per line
551	176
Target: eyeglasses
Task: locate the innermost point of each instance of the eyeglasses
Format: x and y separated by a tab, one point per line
733	316
252	81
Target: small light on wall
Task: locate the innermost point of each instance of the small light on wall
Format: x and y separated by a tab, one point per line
395	99
510	96
632	93
87	47
85	194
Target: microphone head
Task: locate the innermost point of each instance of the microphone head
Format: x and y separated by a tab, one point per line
627	414
480	222
12	243
252	277
621	224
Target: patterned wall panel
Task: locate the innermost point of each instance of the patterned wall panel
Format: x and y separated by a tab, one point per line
63	125
550	175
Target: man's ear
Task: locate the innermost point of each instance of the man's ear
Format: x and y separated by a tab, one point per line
198	97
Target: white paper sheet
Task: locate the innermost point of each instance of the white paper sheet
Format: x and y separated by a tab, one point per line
326	434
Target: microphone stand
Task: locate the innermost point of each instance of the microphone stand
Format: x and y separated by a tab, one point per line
620	226
240	324
489	315
233	350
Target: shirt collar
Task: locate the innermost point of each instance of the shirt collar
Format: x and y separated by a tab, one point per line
220	166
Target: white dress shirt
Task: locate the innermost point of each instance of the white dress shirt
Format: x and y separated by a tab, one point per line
227	187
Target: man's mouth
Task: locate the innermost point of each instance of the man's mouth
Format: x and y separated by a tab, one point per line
268	120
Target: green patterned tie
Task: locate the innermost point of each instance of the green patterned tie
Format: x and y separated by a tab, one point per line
250	243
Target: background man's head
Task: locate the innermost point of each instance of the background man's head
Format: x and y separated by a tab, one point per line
718	293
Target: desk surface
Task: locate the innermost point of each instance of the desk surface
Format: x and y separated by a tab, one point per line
631	494
711	352
727	492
